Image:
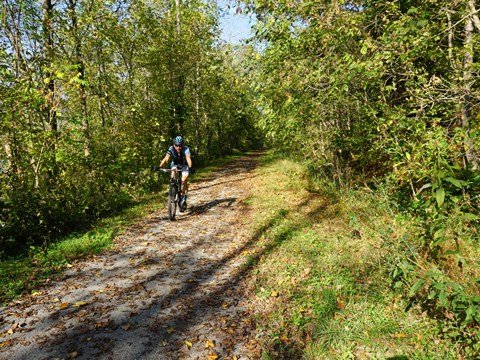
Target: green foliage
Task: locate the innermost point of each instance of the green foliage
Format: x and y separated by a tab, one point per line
84	121
384	96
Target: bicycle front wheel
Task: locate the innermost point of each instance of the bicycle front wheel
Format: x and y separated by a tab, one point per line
172	201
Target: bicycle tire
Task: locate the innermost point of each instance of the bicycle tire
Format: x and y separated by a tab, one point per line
172	201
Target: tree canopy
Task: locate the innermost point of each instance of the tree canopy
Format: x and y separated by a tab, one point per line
92	94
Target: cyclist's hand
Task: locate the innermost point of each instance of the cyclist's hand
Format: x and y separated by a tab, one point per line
156	168
191	170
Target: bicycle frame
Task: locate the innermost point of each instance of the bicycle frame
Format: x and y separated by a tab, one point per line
174	192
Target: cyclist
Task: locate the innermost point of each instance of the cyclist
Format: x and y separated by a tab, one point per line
182	160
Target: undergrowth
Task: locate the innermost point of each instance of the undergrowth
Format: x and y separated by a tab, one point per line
334	280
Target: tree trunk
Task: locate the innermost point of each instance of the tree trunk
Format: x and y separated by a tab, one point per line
49	89
49	109
178	3
81	77
470	158
197	108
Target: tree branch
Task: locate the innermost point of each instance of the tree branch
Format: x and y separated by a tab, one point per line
475	18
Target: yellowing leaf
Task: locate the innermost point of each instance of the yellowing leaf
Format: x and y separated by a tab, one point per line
209	344
64	305
169	331
212	357
73	354
9	342
226	305
80	303
188	343
274	294
400	335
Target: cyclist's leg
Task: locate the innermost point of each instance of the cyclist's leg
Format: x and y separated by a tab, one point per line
185	184
172	173
184	188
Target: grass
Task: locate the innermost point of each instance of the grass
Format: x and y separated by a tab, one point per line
324	274
24	274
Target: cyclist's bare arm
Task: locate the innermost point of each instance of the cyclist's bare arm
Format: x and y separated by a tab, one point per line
165	160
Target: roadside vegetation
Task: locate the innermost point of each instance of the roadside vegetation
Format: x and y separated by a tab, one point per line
327	268
27	271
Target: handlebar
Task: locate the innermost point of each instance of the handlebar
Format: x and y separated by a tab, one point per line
171	169
168	170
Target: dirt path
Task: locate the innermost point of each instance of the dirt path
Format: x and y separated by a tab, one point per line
168	290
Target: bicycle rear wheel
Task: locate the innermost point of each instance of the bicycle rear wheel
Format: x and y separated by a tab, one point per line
172	201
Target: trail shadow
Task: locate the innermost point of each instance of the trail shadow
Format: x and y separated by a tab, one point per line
199	209
184	307
194	188
106	328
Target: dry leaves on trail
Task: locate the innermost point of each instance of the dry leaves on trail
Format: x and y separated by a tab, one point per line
167	290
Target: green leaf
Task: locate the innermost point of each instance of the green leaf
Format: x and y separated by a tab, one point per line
440	196
364	49
471	311
469	216
442	298
416	287
456	182
426	186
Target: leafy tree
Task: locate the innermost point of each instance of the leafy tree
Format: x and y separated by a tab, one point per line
95	91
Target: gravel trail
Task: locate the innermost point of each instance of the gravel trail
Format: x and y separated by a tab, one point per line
167	290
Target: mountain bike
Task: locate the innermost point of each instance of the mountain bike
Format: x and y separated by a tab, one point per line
174	192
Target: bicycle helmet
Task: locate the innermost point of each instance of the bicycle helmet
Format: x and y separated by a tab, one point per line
178	140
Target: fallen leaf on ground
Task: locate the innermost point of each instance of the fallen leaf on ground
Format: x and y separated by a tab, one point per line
79	303
209	344
188	343
226	305
6	343
64	305
212	357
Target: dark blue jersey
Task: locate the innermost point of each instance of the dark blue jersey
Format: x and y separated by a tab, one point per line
179	159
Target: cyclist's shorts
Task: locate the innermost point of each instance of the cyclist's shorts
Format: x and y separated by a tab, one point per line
183	169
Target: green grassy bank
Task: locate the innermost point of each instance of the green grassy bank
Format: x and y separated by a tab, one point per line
323	268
